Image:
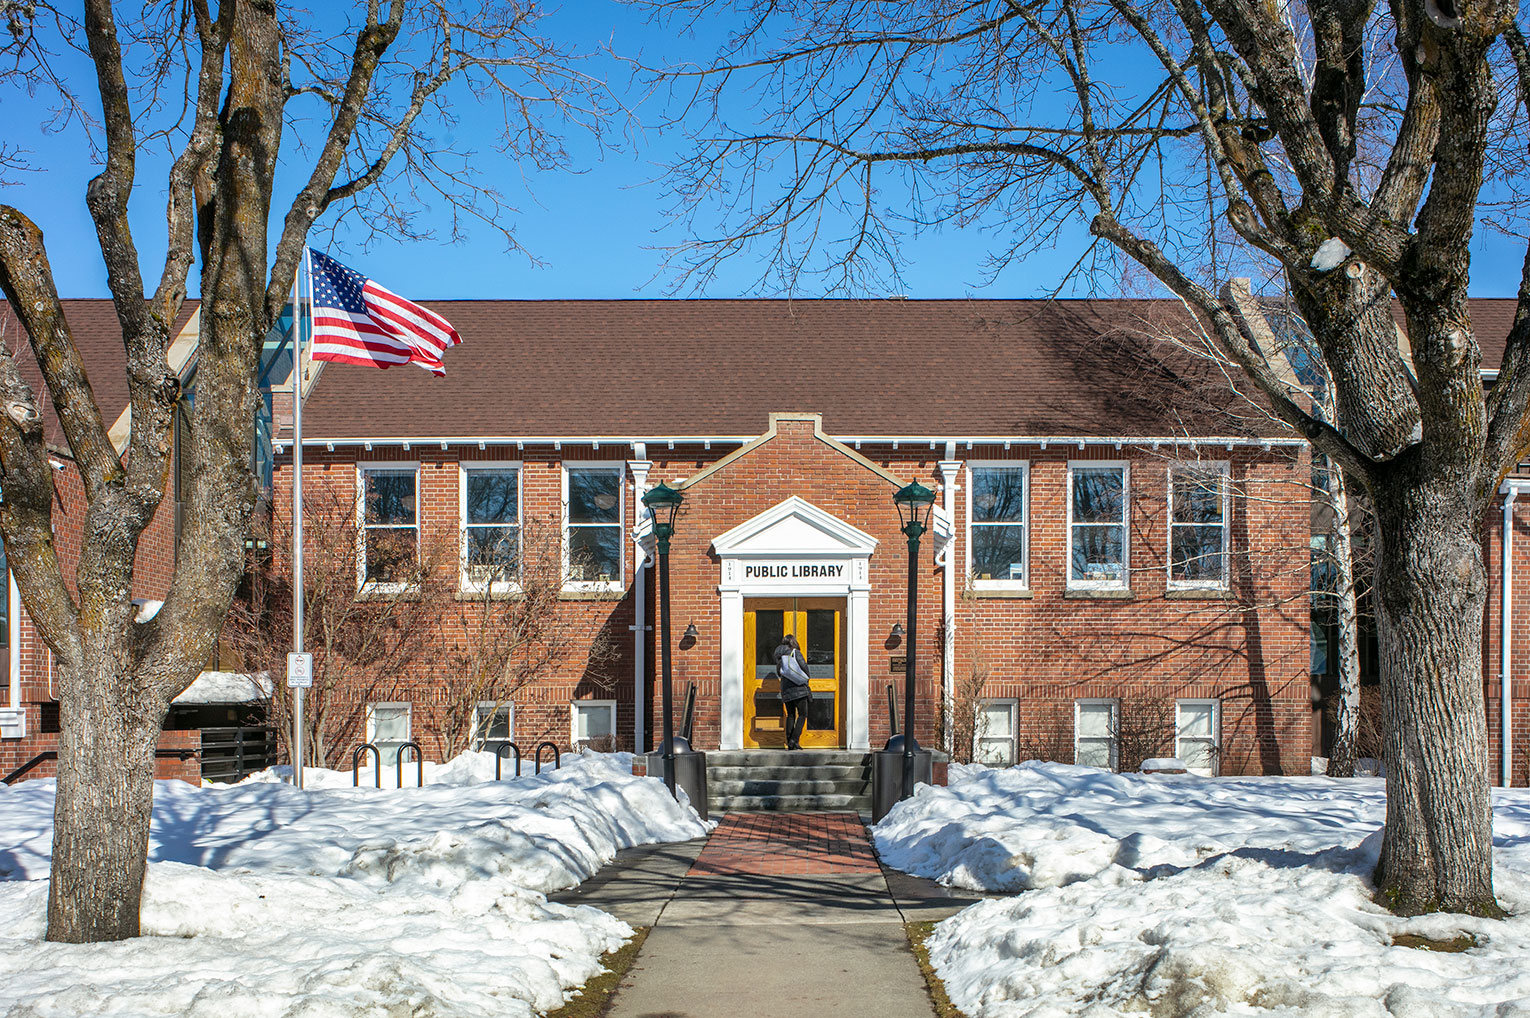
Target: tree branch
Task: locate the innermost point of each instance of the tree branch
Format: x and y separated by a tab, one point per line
26	513
371	42
1508	402
1233	341
27	280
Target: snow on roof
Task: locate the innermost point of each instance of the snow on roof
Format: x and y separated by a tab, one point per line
227	687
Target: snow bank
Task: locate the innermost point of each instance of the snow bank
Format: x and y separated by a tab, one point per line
262	900
1181	896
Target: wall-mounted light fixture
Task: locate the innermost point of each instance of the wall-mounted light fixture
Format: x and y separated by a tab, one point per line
897	631
690	632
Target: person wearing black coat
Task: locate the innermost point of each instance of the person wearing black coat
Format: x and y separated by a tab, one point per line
791	670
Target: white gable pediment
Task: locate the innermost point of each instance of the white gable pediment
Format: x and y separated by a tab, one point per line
794	527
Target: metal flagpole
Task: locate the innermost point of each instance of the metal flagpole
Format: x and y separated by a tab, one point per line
298	317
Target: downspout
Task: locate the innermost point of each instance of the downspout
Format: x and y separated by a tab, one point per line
640	559
13	634
950	470
1505	634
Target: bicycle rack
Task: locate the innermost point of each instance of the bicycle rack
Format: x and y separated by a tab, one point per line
356	764
419	764
892	709
557	756
499	757
690	713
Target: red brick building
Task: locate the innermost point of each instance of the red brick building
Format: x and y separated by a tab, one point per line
1057	601
1118	564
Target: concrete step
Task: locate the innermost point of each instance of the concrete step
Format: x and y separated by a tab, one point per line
854	772
809	780
788	803
773	786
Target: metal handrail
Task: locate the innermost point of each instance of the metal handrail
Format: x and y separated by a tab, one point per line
690	712
499	758
419	763
52	754
557	756
356	756
892	709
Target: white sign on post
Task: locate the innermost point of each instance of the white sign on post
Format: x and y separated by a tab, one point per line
300	670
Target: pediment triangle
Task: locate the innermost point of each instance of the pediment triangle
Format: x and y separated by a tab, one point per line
794	527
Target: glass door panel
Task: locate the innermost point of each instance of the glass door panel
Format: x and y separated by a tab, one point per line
818	625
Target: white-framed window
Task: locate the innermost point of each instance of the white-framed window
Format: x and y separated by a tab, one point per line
388	727
490	495
493	723
998	535
594	723
1197	734
1098	512
592	525
1198	525
997	725
387	525
1096	731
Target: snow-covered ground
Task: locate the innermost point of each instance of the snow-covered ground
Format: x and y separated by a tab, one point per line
1179	896
262	900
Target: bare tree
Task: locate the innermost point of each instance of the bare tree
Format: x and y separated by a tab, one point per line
1336	144
508	631
361	638
216	85
964	712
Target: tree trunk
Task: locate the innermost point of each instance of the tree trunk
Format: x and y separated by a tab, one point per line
1342	755
1430	594
104	800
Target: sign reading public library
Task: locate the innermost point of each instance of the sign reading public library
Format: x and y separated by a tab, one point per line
795	571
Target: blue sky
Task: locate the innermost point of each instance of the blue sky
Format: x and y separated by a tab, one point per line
595	232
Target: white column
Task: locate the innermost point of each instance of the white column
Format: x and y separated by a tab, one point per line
731	678
950	471
858	710
640	469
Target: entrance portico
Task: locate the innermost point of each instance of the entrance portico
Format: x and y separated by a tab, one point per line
795	550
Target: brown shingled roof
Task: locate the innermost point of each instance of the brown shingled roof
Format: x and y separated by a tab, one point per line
98	337
711	368
1492	318
673	368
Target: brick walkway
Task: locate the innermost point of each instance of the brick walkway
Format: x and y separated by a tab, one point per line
787	844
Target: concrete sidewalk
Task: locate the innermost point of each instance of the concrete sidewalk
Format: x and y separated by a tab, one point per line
773	915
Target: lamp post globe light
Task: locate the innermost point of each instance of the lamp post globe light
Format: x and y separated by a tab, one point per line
914	502
664	502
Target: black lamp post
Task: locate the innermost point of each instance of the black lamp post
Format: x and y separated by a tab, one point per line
914	503
664	502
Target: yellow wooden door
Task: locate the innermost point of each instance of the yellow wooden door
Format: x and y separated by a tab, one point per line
818	625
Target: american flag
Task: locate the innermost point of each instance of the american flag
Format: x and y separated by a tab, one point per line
355	321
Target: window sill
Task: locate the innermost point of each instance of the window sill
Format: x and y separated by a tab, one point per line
1198	594
602	594
497	594
1001	593
387	592
1106	594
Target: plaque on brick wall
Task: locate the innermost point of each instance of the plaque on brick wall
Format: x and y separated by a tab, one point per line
898	664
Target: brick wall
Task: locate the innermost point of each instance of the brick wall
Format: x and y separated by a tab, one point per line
1246	647
542	711
179	755
1519	663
